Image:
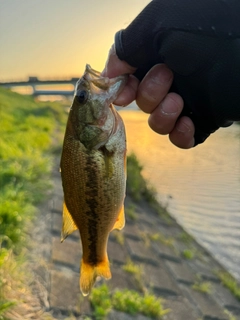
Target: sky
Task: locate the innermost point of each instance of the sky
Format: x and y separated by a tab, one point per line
56	38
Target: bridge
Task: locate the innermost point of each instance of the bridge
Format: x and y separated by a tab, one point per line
35	84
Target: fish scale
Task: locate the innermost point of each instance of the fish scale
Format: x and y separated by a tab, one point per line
93	172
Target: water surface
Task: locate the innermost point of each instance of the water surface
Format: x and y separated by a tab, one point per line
201	186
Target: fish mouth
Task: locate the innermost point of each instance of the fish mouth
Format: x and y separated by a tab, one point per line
99	85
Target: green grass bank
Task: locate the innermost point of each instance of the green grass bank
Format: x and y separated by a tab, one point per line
30	132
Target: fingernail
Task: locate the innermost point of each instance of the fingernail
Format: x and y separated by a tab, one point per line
169	108
183	127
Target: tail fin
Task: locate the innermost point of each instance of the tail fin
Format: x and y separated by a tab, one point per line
89	274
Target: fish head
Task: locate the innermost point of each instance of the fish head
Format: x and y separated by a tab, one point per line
91	111
94	94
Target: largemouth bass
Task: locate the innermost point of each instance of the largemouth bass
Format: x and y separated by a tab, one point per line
93	169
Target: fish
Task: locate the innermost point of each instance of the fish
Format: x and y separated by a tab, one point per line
93	171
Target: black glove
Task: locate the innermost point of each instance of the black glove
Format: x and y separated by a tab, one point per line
199	40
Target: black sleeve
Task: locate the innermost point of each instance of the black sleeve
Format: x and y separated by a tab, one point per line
199	40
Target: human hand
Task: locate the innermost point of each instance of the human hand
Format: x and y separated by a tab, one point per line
200	44
153	97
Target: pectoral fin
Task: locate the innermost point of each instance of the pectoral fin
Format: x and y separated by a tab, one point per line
68	225
120	223
108	162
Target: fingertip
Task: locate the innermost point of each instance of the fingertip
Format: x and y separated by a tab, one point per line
163	119
182	135
115	67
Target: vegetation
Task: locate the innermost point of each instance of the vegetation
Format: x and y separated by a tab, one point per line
119	236
146	238
202	286
129	301
27	129
230	283
138	188
132	302
136	184
158	237
101	301
185	238
132	268
130	212
230	315
188	254
136	271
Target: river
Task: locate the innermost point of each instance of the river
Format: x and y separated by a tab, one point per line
201	186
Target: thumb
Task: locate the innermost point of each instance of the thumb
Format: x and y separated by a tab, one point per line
115	67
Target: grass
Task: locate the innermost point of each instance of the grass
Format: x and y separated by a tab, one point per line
136	271
186	238
158	237
146	238
130	212
202	286
101	301
119	236
132	302
230	283
132	268
128	301
4	307
28	131
136	185
189	254
138	188
5	304
230	315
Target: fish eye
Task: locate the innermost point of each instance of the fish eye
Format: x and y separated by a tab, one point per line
82	96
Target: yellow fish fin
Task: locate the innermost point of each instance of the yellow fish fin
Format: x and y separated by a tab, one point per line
120	222
90	273
68	225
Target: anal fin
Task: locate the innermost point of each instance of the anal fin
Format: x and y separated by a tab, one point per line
68	225
120	222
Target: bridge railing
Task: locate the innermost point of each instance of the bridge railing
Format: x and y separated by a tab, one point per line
34	82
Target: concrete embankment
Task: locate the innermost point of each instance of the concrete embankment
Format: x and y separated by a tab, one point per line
173	266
